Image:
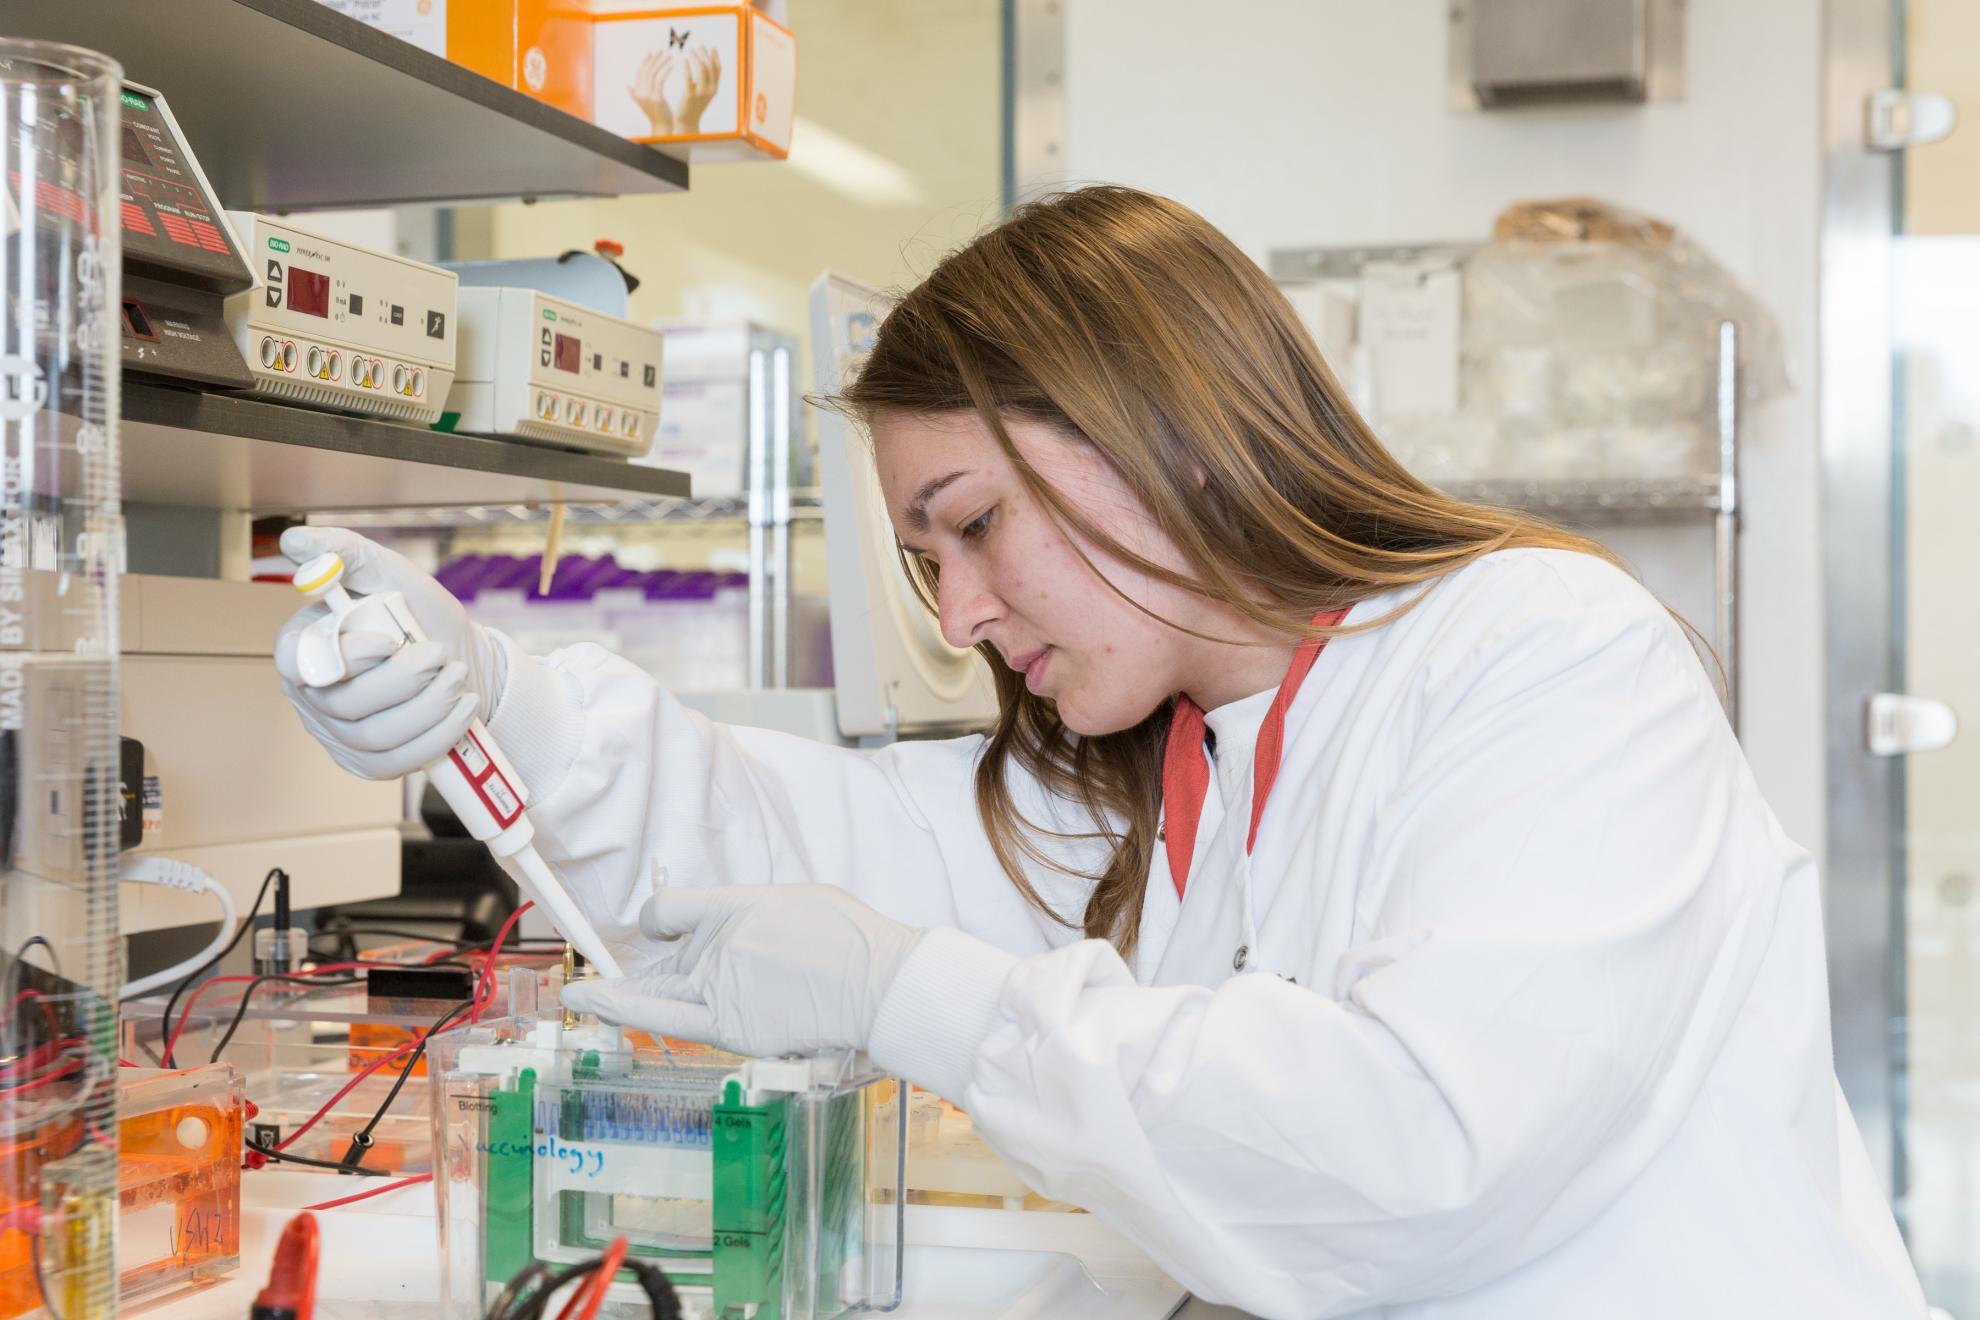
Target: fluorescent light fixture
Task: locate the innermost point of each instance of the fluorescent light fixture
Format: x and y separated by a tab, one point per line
849	169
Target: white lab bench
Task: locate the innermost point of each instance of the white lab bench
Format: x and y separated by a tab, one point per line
379	1260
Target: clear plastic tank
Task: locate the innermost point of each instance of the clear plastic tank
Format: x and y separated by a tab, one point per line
60	544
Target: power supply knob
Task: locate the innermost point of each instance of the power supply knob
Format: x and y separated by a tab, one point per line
271	352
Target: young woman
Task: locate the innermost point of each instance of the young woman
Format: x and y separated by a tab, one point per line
1360	900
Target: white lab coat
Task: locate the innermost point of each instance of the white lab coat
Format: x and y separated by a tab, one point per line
1531	1019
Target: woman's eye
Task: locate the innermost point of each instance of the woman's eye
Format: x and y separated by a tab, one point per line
976	528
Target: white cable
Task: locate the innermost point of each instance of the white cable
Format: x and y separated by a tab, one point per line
187	877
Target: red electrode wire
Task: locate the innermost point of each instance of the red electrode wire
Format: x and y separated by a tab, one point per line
291	1290
366	1195
185	1015
484	989
484	994
590	1295
368	1069
40	1056
72	1066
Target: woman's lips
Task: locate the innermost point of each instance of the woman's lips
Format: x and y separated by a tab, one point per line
1034	668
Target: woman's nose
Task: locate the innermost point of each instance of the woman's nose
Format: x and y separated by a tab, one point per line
965	607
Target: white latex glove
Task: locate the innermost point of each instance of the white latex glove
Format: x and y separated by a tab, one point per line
404	705
765	970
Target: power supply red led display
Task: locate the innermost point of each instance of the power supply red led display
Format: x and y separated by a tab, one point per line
309	292
569	353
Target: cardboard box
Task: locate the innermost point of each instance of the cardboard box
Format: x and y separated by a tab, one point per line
720	78
541	48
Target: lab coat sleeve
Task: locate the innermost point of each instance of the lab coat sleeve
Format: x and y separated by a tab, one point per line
1566	901
629	789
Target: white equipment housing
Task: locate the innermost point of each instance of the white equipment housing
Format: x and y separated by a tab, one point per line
535	367
241	785
336	325
892	673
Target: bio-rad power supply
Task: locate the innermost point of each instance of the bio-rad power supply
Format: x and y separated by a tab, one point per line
181	261
336	325
538	368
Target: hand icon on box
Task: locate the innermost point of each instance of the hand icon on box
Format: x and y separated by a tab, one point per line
701	78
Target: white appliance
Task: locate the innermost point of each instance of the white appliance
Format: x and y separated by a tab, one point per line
893	675
541	368
340	326
234	782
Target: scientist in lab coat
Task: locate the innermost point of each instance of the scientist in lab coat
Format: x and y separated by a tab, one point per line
1360	900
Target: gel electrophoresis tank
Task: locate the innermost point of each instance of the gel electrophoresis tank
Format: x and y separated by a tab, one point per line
766	1189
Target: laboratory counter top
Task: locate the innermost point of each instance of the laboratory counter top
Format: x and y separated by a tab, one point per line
379	1259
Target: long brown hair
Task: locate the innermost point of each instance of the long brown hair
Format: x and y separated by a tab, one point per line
1129	321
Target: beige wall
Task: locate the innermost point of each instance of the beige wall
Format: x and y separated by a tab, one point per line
1942	54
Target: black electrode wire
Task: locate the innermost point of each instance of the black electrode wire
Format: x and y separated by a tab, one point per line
20	953
240	1009
512	1304
331	1165
343	932
305	977
166	1021
530	1273
659	1289
361	1140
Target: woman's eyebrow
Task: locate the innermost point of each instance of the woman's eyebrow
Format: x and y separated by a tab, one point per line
917	509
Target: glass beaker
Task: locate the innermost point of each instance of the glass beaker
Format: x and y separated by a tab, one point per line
60	551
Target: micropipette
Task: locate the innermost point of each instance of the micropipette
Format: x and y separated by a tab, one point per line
476	779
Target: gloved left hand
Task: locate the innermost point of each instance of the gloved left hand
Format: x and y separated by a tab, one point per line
765	970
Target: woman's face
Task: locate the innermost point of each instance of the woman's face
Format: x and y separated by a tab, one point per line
1011	576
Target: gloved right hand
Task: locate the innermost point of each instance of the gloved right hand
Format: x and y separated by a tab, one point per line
402	706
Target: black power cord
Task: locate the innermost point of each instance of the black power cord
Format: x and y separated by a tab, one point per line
207	966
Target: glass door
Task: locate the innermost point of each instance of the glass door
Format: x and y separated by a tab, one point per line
1935	285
